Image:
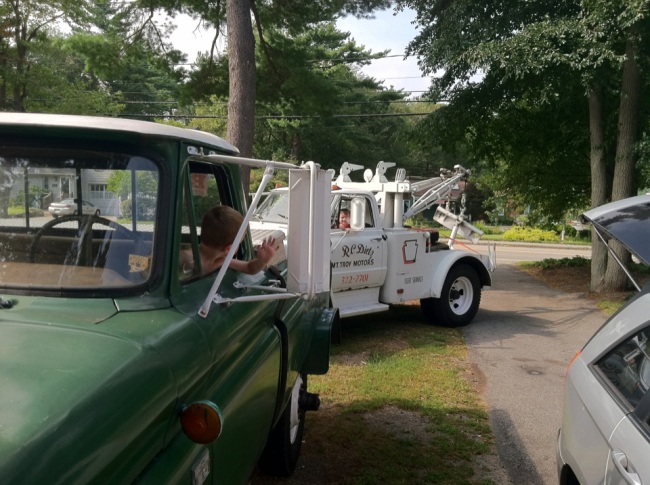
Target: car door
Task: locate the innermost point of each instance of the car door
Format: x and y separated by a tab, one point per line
241	339
358	258
629	450
627	372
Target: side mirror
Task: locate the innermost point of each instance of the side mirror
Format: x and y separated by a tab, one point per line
358	214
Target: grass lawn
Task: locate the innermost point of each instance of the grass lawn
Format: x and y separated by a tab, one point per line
400	406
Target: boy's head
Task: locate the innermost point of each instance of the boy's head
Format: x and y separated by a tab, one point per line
219	227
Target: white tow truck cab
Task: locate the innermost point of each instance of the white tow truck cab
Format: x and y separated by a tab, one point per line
377	261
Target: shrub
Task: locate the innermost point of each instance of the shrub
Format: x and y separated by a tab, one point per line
486	228
146	208
574	262
529	234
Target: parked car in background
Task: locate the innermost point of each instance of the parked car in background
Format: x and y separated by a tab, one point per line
605	432
71	206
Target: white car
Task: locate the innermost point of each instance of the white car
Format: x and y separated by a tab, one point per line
71	206
605	432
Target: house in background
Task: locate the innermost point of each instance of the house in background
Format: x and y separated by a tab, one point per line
59	184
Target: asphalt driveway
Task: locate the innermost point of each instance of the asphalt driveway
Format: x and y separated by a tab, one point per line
520	344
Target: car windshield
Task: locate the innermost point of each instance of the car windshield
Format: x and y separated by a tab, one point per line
275	208
74	220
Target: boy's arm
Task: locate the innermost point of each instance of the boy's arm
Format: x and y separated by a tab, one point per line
264	254
253	266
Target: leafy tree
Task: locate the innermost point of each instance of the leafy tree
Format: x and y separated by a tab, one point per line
546	68
315	76
129	54
313	104
293	16
57	83
25	23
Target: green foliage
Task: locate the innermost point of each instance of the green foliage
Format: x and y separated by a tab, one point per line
26	25
280	179
529	234
34	197
146	192
146	208
57	83
309	75
526	122
574	262
487	230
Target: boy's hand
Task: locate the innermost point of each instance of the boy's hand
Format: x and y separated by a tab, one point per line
267	250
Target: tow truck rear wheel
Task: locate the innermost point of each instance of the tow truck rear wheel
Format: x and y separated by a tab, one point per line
459	299
282	449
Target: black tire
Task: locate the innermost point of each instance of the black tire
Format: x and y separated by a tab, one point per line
282	449
459	299
97	213
335	336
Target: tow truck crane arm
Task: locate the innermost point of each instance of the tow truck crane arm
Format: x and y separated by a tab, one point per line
440	188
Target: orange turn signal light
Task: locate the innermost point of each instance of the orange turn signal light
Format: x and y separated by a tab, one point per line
570	364
202	421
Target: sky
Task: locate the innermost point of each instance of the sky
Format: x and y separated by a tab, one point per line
385	31
389	31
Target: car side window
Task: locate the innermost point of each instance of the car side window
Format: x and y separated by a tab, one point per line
627	367
208	187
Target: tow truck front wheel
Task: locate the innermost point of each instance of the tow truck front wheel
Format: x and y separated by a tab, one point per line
459	299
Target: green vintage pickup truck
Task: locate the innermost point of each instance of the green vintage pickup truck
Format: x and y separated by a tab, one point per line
119	364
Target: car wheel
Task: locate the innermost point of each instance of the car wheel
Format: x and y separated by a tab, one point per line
282	449
97	213
459	299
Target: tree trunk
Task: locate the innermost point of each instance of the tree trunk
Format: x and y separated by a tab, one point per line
241	60
3	90
628	131
296	143
598	182
19	90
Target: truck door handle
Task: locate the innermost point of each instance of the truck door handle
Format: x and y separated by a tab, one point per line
383	236
627	472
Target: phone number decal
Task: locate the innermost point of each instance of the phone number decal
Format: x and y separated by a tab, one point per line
357	278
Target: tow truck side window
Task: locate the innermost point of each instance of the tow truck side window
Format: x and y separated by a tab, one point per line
344	202
205	186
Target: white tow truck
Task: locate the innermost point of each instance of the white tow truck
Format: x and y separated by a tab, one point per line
379	261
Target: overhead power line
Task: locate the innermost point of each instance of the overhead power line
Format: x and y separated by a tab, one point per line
278	117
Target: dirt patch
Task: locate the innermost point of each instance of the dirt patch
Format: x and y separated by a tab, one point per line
400	422
577	279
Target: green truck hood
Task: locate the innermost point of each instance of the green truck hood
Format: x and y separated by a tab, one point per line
60	371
